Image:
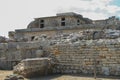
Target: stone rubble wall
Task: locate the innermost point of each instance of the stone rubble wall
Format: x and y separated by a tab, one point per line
78	57
82	57
21	34
12	53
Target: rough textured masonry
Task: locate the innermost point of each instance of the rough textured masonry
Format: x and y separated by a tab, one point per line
82	57
67	38
34	67
13	52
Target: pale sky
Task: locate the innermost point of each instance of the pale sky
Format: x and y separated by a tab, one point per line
17	14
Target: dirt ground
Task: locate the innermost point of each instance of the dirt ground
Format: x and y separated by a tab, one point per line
73	77
4	73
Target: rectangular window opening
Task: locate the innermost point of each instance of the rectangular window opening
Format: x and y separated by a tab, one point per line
62	23
41	25
78	22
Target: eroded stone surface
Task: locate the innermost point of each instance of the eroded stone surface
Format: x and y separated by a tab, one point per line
34	67
74	43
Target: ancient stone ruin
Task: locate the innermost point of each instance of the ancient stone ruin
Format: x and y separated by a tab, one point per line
34	67
65	43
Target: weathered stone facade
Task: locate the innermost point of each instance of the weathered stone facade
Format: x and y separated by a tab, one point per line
69	37
42	66
82	58
86	56
63	22
13	52
61	19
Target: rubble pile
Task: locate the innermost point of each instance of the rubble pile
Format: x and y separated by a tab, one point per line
14	77
79	36
3	39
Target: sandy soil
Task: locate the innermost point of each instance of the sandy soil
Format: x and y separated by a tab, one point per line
4	73
73	77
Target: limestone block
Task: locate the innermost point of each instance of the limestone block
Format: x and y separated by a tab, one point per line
105	49
26	45
106	71
29	67
12	46
3	46
39	53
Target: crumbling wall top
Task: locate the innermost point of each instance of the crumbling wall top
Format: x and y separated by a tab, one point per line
68	14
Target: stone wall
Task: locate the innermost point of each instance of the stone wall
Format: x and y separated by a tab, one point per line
12	53
51	31
70	19
78	57
82	57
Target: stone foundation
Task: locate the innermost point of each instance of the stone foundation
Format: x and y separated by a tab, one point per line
79	57
82	58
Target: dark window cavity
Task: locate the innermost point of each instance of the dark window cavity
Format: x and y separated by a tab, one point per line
63	21
78	22
32	38
42	23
